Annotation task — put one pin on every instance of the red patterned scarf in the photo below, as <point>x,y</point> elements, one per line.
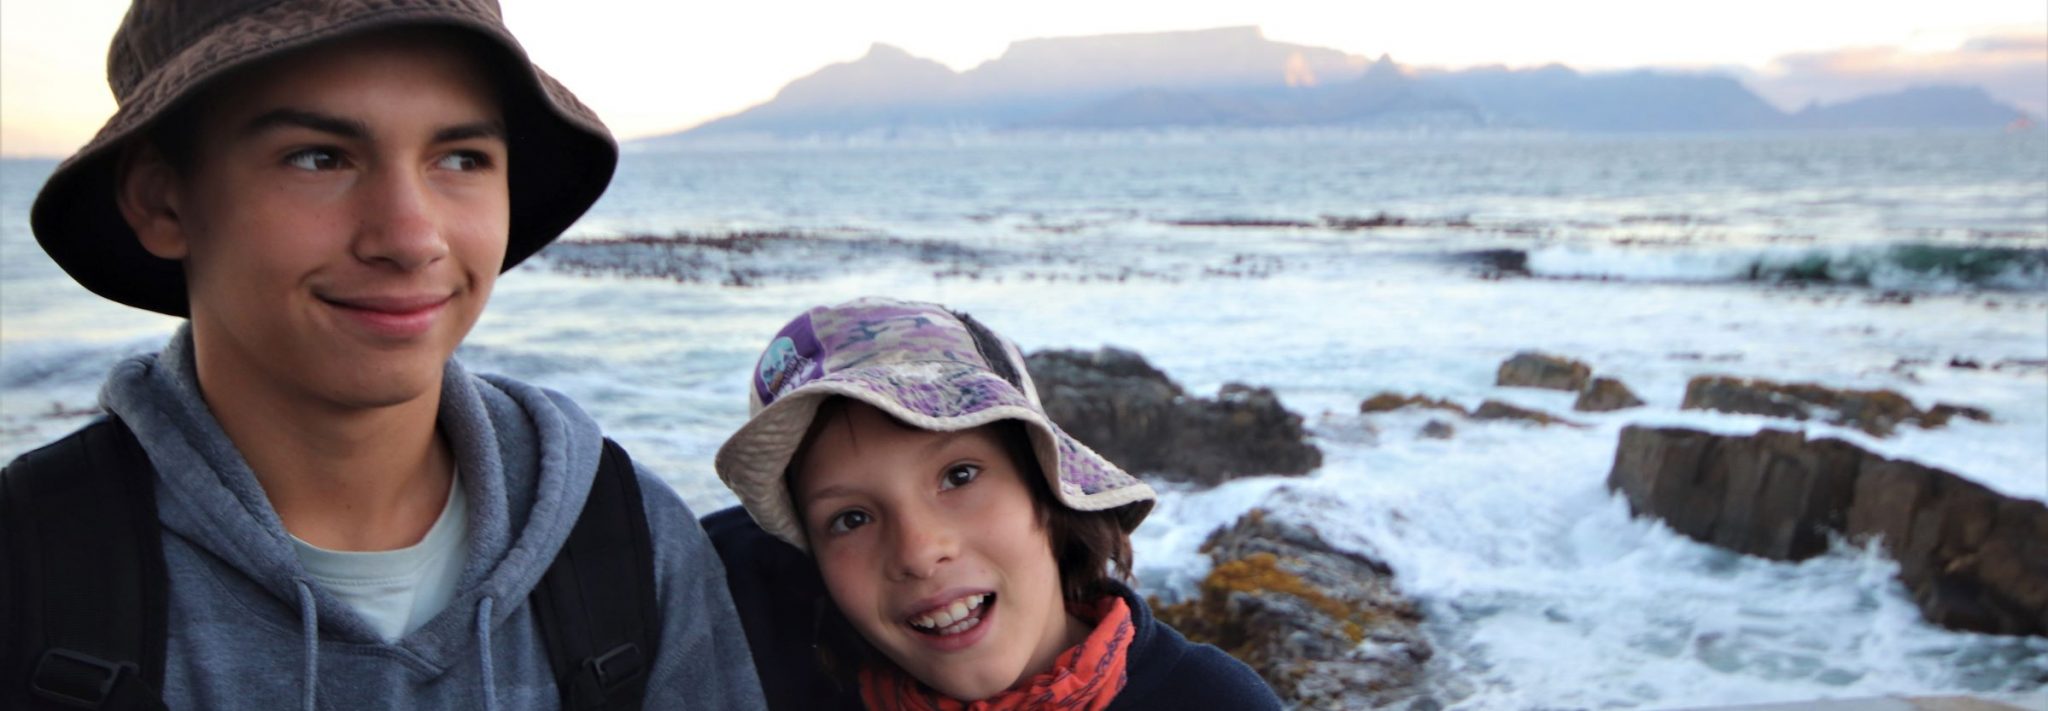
<point>1083,678</point>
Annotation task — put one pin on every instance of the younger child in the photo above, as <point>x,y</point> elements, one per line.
<point>975,552</point>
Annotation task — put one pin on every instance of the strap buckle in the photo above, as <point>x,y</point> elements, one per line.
<point>76,679</point>
<point>615,667</point>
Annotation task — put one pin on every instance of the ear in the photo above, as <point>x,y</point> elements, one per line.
<point>147,189</point>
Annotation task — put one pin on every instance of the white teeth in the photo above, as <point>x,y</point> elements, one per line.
<point>961,626</point>
<point>952,619</point>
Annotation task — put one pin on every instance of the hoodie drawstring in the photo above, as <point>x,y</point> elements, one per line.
<point>483,650</point>
<point>309,623</point>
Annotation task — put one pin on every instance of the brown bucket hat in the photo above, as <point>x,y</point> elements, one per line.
<point>562,155</point>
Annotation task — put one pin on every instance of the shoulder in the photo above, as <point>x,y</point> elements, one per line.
<point>104,445</point>
<point>679,542</point>
<point>780,599</point>
<point>769,578</point>
<point>1168,671</point>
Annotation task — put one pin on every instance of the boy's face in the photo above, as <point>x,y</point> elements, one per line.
<point>931,547</point>
<point>343,221</point>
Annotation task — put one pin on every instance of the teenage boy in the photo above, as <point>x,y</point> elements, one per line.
<point>346,518</point>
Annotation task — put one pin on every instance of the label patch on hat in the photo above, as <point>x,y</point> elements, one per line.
<point>792,359</point>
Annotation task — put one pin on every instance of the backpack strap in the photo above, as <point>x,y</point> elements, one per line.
<point>596,603</point>
<point>82,611</point>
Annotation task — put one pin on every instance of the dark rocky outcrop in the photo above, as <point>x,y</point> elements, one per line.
<point>1497,410</point>
<point>1877,412</point>
<point>1326,628</point>
<point>1530,369</point>
<point>1973,559</point>
<point>1125,409</point>
<point>1606,395</point>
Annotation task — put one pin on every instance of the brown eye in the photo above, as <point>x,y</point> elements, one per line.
<point>464,161</point>
<point>960,475</point>
<point>846,522</point>
<point>314,159</point>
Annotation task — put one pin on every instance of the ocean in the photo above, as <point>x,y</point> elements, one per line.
<point>1333,266</point>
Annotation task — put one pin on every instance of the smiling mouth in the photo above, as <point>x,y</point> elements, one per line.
<point>954,618</point>
<point>398,306</point>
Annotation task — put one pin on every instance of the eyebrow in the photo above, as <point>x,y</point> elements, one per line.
<point>353,129</point>
<point>837,491</point>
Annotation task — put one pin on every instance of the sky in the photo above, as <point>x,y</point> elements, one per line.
<point>654,66</point>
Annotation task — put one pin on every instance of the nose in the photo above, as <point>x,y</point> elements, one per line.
<point>396,221</point>
<point>923,543</point>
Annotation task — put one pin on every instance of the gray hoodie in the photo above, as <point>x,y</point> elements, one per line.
<point>250,629</point>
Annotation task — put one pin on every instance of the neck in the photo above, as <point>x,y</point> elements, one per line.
<point>341,478</point>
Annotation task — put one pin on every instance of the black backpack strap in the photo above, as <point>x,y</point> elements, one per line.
<point>82,608</point>
<point>596,602</point>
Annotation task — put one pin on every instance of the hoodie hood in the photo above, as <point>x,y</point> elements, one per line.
<point>528,456</point>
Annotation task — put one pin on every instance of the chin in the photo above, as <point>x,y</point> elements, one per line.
<point>969,681</point>
<point>386,388</point>
<point>968,691</point>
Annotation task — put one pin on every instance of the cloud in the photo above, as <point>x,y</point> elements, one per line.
<point>2013,67</point>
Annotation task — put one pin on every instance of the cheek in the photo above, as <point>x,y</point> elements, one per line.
<point>482,237</point>
<point>849,580</point>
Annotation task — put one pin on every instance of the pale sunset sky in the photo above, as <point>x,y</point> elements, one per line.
<point>654,66</point>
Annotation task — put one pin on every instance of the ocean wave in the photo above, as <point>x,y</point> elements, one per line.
<point>61,365</point>
<point>1896,267</point>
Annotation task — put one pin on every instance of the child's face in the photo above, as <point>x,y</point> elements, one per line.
<point>930,546</point>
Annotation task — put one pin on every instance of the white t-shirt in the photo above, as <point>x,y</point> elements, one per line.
<point>399,590</point>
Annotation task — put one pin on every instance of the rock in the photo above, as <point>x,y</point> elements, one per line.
<point>1941,413</point>
<point>1438,429</point>
<point>1877,412</point>
<point>1497,410</point>
<point>1326,628</point>
<point>1388,402</point>
<point>1711,392</point>
<point>1130,412</point>
<point>1530,369</point>
<point>1606,395</point>
<point>1973,559</point>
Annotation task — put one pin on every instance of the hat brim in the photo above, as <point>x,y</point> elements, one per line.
<point>754,460</point>
<point>561,155</point>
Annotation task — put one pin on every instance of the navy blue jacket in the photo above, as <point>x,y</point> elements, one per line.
<point>780,599</point>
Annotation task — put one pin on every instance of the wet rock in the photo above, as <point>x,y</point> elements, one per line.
<point>1942,413</point>
<point>1378,220</point>
<point>1438,429</point>
<point>1388,402</point>
<point>1499,263</point>
<point>1497,410</point>
<point>1119,405</point>
<point>1878,412</point>
<point>1606,395</point>
<point>1326,628</point>
<point>1530,369</point>
<point>1973,559</point>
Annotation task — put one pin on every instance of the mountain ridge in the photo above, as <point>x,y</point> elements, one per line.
<point>1236,77</point>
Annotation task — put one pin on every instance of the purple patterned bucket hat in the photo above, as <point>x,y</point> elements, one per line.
<point>926,366</point>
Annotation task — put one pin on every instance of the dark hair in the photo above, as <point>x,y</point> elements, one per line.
<point>1085,544</point>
